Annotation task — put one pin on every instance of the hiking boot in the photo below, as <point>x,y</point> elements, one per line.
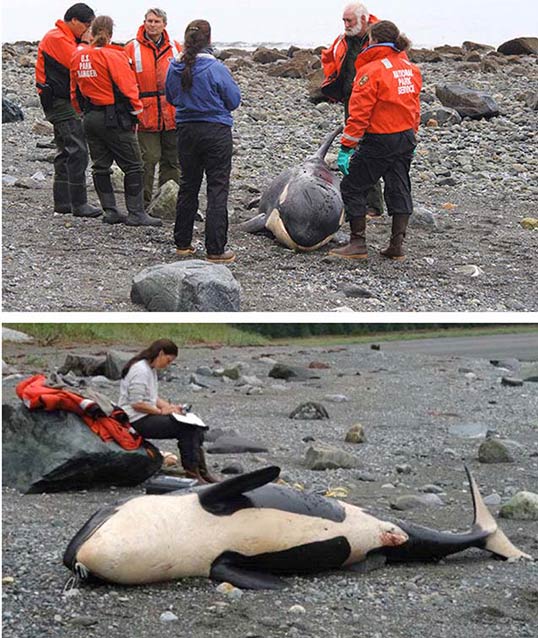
<point>356,248</point>
<point>395,248</point>
<point>185,252</point>
<point>227,257</point>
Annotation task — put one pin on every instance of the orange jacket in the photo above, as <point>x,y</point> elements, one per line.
<point>95,71</point>
<point>386,94</point>
<point>37,395</point>
<point>333,58</point>
<point>150,65</point>
<point>54,55</point>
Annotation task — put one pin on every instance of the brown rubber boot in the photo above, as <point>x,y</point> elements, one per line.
<point>395,248</point>
<point>356,249</point>
<point>194,473</point>
<point>204,472</point>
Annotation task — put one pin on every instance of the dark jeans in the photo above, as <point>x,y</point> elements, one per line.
<point>189,437</point>
<point>388,156</point>
<point>71,161</point>
<point>204,147</point>
<point>111,144</point>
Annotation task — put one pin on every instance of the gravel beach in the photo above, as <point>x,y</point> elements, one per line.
<point>411,406</point>
<point>474,182</point>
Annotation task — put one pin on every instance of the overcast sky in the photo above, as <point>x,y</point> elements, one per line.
<point>426,22</point>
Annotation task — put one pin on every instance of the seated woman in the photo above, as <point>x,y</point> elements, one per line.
<point>152,417</point>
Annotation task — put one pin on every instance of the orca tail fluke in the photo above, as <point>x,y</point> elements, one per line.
<point>427,544</point>
<point>496,540</point>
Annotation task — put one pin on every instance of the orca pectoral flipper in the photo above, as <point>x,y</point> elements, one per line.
<point>254,225</point>
<point>218,496</point>
<point>225,569</point>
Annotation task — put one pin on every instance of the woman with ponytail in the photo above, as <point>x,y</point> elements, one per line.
<point>204,93</point>
<point>103,85</point>
<point>152,417</point>
<point>379,138</point>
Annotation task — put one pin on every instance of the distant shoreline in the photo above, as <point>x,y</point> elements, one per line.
<point>252,46</point>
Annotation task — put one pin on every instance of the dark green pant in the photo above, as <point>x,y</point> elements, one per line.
<point>374,199</point>
<point>158,148</point>
<point>70,164</point>
<point>111,144</point>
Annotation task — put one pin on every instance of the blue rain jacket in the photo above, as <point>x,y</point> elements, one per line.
<point>212,97</point>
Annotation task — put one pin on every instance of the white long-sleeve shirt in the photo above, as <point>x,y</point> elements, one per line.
<point>139,384</point>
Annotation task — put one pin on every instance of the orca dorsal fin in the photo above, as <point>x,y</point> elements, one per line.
<point>220,493</point>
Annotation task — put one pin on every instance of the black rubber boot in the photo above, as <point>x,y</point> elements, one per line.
<point>60,193</point>
<point>105,191</point>
<point>356,249</point>
<point>395,248</point>
<point>79,202</point>
<point>134,200</point>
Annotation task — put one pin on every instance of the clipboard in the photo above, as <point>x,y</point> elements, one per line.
<point>190,418</point>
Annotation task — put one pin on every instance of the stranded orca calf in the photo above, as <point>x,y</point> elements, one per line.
<point>302,208</point>
<point>249,531</point>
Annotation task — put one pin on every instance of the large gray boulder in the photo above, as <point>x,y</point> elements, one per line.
<point>441,114</point>
<point>467,102</point>
<point>115,362</point>
<point>15,336</point>
<point>164,203</point>
<point>235,445</point>
<point>320,456</point>
<point>519,46</point>
<point>523,506</point>
<point>56,451</point>
<point>187,286</point>
<point>291,373</point>
<point>11,112</point>
<point>263,55</point>
<point>83,365</point>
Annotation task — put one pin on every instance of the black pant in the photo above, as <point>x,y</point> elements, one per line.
<point>71,161</point>
<point>380,155</point>
<point>111,144</point>
<point>189,437</point>
<point>204,147</point>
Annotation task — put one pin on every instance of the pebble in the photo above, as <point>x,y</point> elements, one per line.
<point>167,617</point>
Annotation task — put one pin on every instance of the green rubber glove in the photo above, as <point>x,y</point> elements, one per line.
<point>344,157</point>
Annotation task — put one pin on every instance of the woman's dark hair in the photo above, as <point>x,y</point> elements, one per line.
<point>151,353</point>
<point>197,37</point>
<point>102,28</point>
<point>386,31</point>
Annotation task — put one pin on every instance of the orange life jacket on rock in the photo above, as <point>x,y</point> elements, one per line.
<point>150,64</point>
<point>386,94</point>
<point>332,60</point>
<point>116,427</point>
<point>95,71</point>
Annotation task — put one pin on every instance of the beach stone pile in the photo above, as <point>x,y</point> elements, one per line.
<point>473,173</point>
